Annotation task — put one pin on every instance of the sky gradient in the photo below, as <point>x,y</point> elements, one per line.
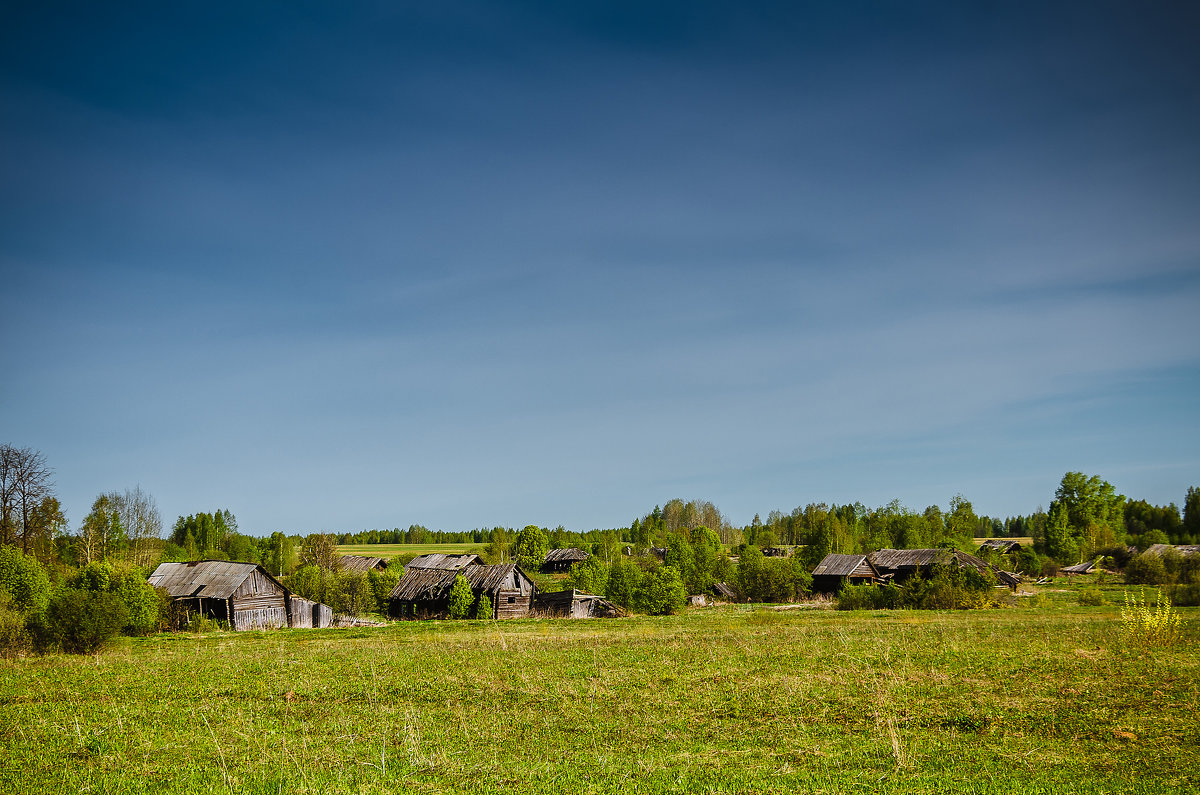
<point>343,266</point>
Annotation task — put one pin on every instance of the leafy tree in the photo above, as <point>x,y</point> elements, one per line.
<point>101,534</point>
<point>531,548</point>
<point>1060,544</point>
<point>462,599</point>
<point>590,576</point>
<point>661,592</point>
<point>320,550</point>
<point>483,609</point>
<point>497,549</point>
<point>382,583</point>
<point>961,523</point>
<point>1152,537</point>
<point>280,557</point>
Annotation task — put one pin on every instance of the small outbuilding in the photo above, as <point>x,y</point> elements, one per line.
<point>425,592</point>
<point>307,614</point>
<point>835,571</point>
<point>563,559</point>
<point>440,560</point>
<point>1087,567</point>
<point>574,604</point>
<point>724,592</point>
<point>776,552</point>
<point>243,594</point>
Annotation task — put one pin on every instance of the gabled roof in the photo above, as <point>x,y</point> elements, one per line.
<point>440,560</point>
<point>422,584</point>
<point>359,563</point>
<point>565,555</point>
<point>1000,545</point>
<point>210,579</point>
<point>834,565</point>
<point>1080,568</point>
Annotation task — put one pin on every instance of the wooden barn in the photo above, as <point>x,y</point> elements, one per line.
<point>425,592</point>
<point>835,571</point>
<point>243,594</point>
<point>904,563</point>
<point>574,604</point>
<point>360,564</point>
<point>563,559</point>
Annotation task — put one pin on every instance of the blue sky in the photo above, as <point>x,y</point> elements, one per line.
<point>341,266</point>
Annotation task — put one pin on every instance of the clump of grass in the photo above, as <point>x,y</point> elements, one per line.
<point>1142,625</point>
<point>1090,597</point>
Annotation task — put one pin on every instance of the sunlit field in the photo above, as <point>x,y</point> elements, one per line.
<point>1040,697</point>
<point>408,550</point>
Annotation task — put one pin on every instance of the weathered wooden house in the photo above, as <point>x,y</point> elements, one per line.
<point>1183,550</point>
<point>1087,567</point>
<point>1004,546</point>
<point>574,604</point>
<point>425,592</point>
<point>835,571</point>
<point>563,559</point>
<point>360,564</point>
<point>776,552</point>
<point>724,592</point>
<point>901,564</point>
<point>243,594</point>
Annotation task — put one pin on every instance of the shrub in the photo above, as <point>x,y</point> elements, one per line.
<point>14,637</point>
<point>661,592</point>
<point>24,580</point>
<point>1143,626</point>
<point>624,579</point>
<point>1146,570</point>
<point>81,622</point>
<point>461,598</point>
<point>483,609</point>
<point>1090,597</point>
<point>143,606</point>
<point>382,583</point>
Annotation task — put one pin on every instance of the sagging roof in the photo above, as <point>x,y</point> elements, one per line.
<point>835,565</point>
<point>360,563</point>
<point>1001,545</point>
<point>569,554</point>
<point>440,560</point>
<point>1183,549</point>
<point>896,561</point>
<point>1080,568</point>
<point>210,579</point>
<point>421,584</point>
<point>723,590</point>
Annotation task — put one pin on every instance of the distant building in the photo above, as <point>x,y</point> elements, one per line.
<point>1002,545</point>
<point>901,564</point>
<point>243,594</point>
<point>439,560</point>
<point>425,592</point>
<point>574,604</point>
<point>360,563</point>
<point>835,571</point>
<point>563,559</point>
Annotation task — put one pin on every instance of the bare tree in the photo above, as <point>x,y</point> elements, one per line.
<point>141,521</point>
<point>24,483</point>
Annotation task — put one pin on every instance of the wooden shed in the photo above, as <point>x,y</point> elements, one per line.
<point>243,594</point>
<point>904,563</point>
<point>724,592</point>
<point>360,563</point>
<point>776,552</point>
<point>563,559</point>
<point>304,613</point>
<point>425,592</point>
<point>835,571</point>
<point>574,604</point>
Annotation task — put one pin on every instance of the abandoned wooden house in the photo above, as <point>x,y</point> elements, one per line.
<point>1183,550</point>
<point>574,604</point>
<point>360,564</point>
<point>835,571</point>
<point>425,592</point>
<point>243,594</point>
<point>901,564</point>
<point>439,560</point>
<point>1004,546</point>
<point>1087,567</point>
<point>563,559</point>
<point>776,552</point>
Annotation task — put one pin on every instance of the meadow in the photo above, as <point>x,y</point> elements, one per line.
<point>408,550</point>
<point>1042,697</point>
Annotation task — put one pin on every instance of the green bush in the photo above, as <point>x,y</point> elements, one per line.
<point>24,580</point>
<point>15,639</point>
<point>382,583</point>
<point>661,592</point>
<point>483,609</point>
<point>81,622</point>
<point>1146,570</point>
<point>1090,597</point>
<point>461,598</point>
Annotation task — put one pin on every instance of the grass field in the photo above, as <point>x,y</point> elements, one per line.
<point>1036,698</point>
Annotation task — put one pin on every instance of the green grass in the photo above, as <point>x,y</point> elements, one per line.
<point>737,700</point>
<point>411,550</point>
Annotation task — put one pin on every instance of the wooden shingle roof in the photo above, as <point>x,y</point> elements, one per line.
<point>441,560</point>
<point>210,579</point>
<point>569,554</point>
<point>422,584</point>
<point>835,565</point>
<point>359,563</point>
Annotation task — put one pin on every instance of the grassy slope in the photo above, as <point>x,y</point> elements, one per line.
<point>411,550</point>
<point>724,700</point>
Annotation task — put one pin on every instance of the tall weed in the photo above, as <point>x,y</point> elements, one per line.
<point>1142,625</point>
